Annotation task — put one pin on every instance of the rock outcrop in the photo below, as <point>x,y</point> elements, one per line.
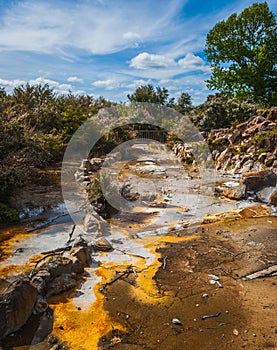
<point>248,146</point>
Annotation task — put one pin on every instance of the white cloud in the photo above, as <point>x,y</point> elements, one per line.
<point>161,67</point>
<point>108,84</point>
<point>61,88</point>
<point>131,36</point>
<point>192,63</point>
<point>146,60</point>
<point>11,84</point>
<point>136,83</point>
<point>75,80</point>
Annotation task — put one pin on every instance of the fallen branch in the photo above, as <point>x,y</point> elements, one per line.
<point>48,222</point>
<point>270,271</point>
<point>210,316</point>
<point>131,254</point>
<point>45,224</point>
<point>57,250</point>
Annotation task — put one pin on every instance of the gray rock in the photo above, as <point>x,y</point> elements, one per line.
<point>16,306</point>
<point>57,265</point>
<point>247,166</point>
<point>82,254</point>
<point>92,222</point>
<point>264,194</point>
<point>269,160</point>
<point>256,181</point>
<point>61,284</point>
<point>103,244</point>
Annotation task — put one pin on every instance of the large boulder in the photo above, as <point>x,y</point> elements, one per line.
<point>57,265</point>
<point>256,181</point>
<point>16,306</point>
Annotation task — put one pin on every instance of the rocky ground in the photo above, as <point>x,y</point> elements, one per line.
<point>194,269</point>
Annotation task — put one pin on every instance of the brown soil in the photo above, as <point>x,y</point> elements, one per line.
<point>244,311</point>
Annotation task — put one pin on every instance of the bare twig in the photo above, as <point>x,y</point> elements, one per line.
<point>131,254</point>
<point>126,272</point>
<point>164,262</point>
<point>71,234</point>
<point>210,316</point>
<point>39,261</point>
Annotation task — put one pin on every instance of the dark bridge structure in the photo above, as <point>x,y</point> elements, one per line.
<point>156,135</point>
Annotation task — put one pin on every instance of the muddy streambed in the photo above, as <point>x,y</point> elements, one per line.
<point>176,277</point>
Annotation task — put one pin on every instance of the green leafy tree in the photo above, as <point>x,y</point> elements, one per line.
<point>184,103</point>
<point>147,93</point>
<point>243,54</point>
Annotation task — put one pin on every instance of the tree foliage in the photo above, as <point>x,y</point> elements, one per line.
<point>147,93</point>
<point>243,54</point>
<point>184,103</point>
<point>35,127</point>
<point>220,111</point>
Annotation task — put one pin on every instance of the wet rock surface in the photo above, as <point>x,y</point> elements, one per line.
<point>24,296</point>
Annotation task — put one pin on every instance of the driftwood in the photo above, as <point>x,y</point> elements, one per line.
<point>270,271</point>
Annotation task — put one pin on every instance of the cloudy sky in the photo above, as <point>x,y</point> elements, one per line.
<point>110,47</point>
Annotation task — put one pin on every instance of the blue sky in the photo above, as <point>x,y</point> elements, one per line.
<point>110,47</point>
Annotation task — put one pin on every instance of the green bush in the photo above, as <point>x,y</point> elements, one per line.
<point>8,214</point>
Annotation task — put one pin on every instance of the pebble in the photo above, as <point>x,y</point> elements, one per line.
<point>214,277</point>
<point>52,339</point>
<point>235,332</point>
<point>177,322</point>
